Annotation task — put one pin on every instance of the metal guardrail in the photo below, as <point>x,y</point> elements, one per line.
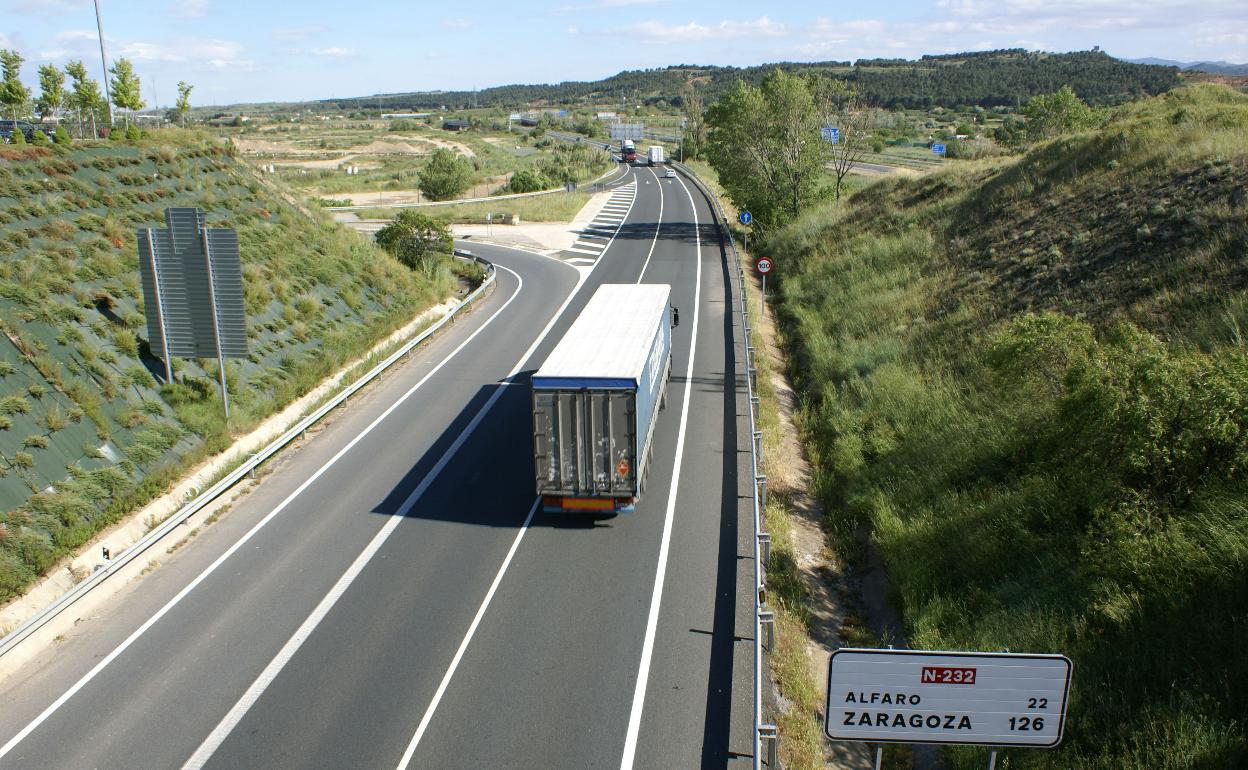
<point>48,613</point>
<point>762,540</point>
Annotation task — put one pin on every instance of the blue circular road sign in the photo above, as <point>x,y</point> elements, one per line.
<point>746,217</point>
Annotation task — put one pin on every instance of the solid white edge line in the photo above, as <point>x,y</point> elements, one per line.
<point>657,228</point>
<point>178,597</point>
<point>463,646</point>
<point>652,621</point>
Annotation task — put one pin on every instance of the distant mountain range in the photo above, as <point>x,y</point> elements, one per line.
<point>1212,67</point>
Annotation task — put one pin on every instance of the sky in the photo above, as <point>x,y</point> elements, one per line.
<point>234,52</point>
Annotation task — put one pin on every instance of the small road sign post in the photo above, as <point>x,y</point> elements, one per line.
<point>763,265</point>
<point>746,218</point>
<point>938,149</point>
<point>971,698</point>
<point>830,134</point>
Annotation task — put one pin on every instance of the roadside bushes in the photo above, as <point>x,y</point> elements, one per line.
<point>528,180</point>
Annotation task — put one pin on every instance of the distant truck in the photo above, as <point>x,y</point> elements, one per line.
<point>628,151</point>
<point>656,155</point>
<point>596,400</point>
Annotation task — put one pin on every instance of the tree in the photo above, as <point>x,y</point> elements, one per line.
<point>694,143</point>
<point>51,92</point>
<point>85,98</point>
<point>13,94</point>
<point>184,101</point>
<point>840,107</point>
<point>1057,113</point>
<point>445,176</point>
<point>415,239</point>
<point>764,144</point>
<point>126,91</point>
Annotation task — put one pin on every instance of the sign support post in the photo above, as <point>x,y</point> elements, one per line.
<point>160,311</point>
<point>879,757</point>
<point>992,760</point>
<point>216,327</point>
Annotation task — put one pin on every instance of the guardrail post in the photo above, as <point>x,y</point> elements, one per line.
<point>754,405</point>
<point>761,481</point>
<point>764,546</point>
<point>769,736</point>
<point>758,446</point>
<point>767,620</point>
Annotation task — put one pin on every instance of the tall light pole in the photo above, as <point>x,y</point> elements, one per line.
<point>108,95</point>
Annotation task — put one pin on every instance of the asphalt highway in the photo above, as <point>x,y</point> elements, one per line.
<point>388,596</point>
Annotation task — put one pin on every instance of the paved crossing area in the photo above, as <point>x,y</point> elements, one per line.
<point>593,238</point>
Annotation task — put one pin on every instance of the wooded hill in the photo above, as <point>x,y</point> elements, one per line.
<point>987,78</point>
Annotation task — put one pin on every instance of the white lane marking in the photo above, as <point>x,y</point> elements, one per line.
<point>463,646</point>
<point>595,251</point>
<point>657,227</point>
<point>581,261</point>
<point>585,234</point>
<point>652,622</point>
<point>132,638</point>
<point>446,679</point>
<point>236,714</point>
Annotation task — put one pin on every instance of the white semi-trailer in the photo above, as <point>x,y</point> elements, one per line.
<point>597,397</point>
<point>656,155</point>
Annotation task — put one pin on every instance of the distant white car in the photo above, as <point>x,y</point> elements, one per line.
<point>670,173</point>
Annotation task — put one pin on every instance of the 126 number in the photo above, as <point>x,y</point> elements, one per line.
<point>1026,724</point>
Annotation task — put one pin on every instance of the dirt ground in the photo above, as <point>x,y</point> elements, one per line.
<point>408,145</point>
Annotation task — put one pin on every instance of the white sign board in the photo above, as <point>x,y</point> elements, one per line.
<point>913,696</point>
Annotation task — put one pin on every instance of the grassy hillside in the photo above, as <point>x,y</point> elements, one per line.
<point>86,430</point>
<point>1028,380</point>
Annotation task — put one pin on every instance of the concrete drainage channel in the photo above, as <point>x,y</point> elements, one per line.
<point>766,738</point>
<point>120,563</point>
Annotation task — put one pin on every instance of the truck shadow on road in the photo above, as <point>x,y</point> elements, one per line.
<point>487,480</point>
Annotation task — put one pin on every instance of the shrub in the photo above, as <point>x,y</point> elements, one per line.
<point>35,441</point>
<point>528,180</point>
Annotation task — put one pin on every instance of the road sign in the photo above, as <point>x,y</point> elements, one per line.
<point>830,134</point>
<point>193,291</point>
<point>763,265</point>
<point>634,131</point>
<point>745,217</point>
<point>938,149</point>
<point>913,696</point>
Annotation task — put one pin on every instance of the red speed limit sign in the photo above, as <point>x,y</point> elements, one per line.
<point>763,265</point>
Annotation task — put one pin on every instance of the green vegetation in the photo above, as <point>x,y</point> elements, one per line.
<point>985,78</point>
<point>87,432</point>
<point>756,144</point>
<point>1028,379</point>
<point>416,240</point>
<point>445,176</point>
<point>13,94</point>
<point>125,88</point>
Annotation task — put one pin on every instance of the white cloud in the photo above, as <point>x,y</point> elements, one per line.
<point>600,5</point>
<point>456,23</point>
<point>334,52</point>
<point>693,32</point>
<point>50,7</point>
<point>188,9</point>
<point>302,32</point>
